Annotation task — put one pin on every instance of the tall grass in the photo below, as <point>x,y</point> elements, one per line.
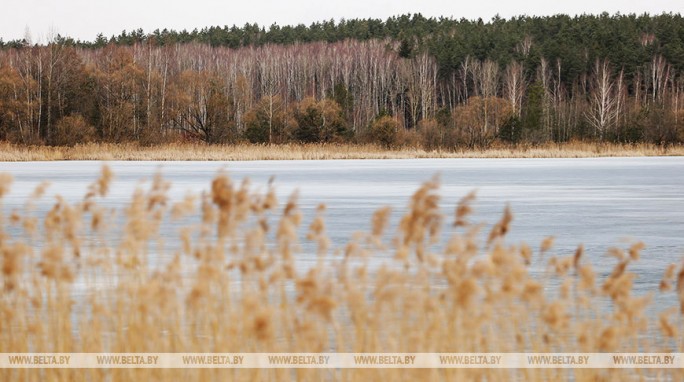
<point>233,286</point>
<point>244,151</point>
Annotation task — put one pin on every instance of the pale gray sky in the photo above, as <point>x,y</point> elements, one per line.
<point>84,19</point>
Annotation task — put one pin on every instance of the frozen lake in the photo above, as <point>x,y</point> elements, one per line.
<point>599,202</point>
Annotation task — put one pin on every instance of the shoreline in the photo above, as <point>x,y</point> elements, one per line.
<point>251,152</point>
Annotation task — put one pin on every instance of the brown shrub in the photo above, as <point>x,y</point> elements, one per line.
<point>72,130</point>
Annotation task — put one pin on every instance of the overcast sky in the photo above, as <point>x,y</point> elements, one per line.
<point>84,19</point>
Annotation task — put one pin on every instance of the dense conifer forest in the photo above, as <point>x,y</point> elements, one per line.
<point>442,82</point>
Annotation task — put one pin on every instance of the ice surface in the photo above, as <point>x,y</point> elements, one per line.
<point>595,201</point>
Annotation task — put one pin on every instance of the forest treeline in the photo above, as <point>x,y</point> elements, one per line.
<point>407,80</point>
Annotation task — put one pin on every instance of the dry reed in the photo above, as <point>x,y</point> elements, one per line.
<point>233,286</point>
<point>245,152</point>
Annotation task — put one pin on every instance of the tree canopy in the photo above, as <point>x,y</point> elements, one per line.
<point>604,77</point>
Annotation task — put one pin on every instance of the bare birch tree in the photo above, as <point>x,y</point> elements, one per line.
<point>515,85</point>
<point>604,102</point>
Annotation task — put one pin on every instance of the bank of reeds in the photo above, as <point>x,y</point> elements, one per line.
<point>246,152</point>
<point>233,286</point>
